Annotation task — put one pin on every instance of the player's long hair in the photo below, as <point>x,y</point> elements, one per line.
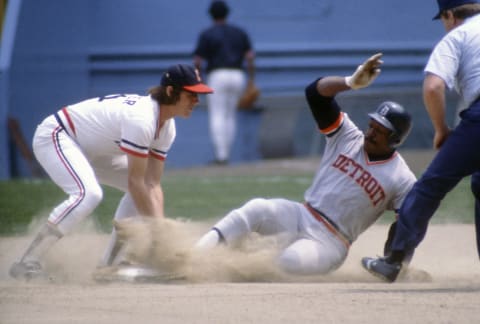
<point>464,11</point>
<point>160,95</point>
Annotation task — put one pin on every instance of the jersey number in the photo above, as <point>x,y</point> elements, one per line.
<point>130,102</point>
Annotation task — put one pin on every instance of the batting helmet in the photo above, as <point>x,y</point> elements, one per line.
<point>394,117</point>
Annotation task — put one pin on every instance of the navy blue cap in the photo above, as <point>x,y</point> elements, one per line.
<point>186,77</point>
<point>450,4</point>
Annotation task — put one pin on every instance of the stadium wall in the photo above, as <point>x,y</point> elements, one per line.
<point>63,51</point>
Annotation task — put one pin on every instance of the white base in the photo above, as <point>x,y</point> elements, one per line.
<point>136,274</point>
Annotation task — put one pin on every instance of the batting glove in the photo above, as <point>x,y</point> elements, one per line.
<point>365,73</point>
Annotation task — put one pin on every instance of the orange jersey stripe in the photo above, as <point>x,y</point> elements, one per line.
<point>333,126</point>
<point>156,156</point>
<point>142,155</point>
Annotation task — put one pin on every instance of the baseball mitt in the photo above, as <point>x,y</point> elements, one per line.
<point>249,96</point>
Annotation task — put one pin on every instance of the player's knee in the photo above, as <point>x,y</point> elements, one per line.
<point>256,206</point>
<point>305,257</point>
<point>256,203</point>
<point>255,211</point>
<point>295,263</point>
<point>290,262</point>
<point>85,203</point>
<point>233,227</point>
<point>93,196</point>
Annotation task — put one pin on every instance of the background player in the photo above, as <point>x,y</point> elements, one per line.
<point>454,62</point>
<point>359,177</point>
<point>224,48</point>
<point>117,140</point>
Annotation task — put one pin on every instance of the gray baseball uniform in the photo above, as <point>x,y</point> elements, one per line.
<point>349,193</point>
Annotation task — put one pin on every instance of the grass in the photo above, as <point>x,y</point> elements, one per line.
<point>191,197</point>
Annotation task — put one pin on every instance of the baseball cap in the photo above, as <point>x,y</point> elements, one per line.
<point>186,77</point>
<point>450,4</point>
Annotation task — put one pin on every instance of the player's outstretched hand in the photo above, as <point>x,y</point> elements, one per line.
<point>366,73</point>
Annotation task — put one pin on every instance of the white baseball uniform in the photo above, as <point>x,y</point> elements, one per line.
<point>84,145</point>
<point>229,85</point>
<point>348,194</point>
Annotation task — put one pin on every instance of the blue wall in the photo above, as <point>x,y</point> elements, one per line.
<point>66,50</point>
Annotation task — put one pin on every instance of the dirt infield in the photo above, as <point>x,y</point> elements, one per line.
<point>348,296</point>
<point>242,293</point>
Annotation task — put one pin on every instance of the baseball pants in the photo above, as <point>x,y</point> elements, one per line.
<point>309,247</point>
<point>79,177</point>
<point>458,157</point>
<point>229,85</point>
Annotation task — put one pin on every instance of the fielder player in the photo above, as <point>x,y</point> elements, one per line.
<point>359,177</point>
<point>454,63</point>
<point>224,48</point>
<point>118,140</point>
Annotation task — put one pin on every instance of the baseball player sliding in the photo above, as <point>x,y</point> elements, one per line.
<point>118,140</point>
<point>359,177</point>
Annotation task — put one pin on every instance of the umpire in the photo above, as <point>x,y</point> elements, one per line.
<point>454,63</point>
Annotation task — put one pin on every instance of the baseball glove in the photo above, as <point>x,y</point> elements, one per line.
<point>249,96</point>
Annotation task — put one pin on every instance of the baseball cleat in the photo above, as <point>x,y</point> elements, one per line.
<point>26,270</point>
<point>379,267</point>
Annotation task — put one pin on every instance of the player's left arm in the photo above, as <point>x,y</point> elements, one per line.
<point>145,193</point>
<point>321,93</point>
<point>250,60</point>
<point>153,177</point>
<point>363,76</point>
<point>325,109</point>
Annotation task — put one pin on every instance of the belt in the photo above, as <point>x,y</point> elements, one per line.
<point>66,117</point>
<point>329,224</point>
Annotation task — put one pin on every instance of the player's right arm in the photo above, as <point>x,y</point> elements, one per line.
<point>153,177</point>
<point>320,94</point>
<point>142,195</point>
<point>200,53</point>
<point>434,100</point>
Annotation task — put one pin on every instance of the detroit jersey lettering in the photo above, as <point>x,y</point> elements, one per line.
<point>352,190</point>
<point>362,177</point>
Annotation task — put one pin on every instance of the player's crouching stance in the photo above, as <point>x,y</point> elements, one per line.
<point>359,177</point>
<point>119,140</point>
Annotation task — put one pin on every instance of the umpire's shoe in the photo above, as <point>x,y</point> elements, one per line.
<point>26,270</point>
<point>381,268</point>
